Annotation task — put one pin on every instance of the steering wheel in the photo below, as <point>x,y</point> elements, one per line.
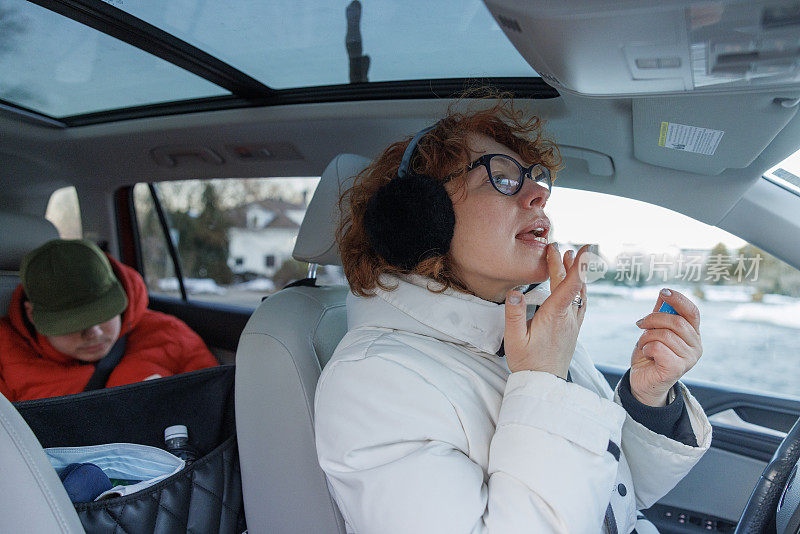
<point>763,503</point>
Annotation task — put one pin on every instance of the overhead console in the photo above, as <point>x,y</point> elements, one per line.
<point>711,83</point>
<point>635,47</point>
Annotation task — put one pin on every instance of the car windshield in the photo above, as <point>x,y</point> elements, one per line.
<point>58,67</point>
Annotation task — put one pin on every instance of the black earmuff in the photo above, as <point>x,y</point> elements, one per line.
<point>411,218</point>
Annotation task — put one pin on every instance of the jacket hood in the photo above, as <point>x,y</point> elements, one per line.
<point>134,287</point>
<point>450,316</point>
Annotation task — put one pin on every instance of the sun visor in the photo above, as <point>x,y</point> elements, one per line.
<point>625,48</point>
<point>702,135</point>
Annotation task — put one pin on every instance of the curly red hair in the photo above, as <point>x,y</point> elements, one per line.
<point>443,154</point>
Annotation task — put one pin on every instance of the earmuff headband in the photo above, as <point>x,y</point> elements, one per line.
<point>402,170</point>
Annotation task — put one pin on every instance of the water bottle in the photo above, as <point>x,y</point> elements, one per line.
<point>176,438</point>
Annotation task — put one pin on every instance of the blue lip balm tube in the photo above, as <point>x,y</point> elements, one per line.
<point>666,308</point>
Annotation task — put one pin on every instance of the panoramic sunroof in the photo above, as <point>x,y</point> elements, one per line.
<point>288,44</point>
<point>58,67</point>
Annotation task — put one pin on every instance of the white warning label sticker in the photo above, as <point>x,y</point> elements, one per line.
<point>689,138</point>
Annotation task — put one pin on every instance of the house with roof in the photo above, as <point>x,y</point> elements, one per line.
<point>262,235</point>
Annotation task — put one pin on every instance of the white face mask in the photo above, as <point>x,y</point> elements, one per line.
<point>125,461</point>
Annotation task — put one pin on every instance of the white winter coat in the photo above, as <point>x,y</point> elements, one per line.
<point>420,427</point>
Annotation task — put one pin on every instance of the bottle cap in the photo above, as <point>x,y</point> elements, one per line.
<point>176,431</point>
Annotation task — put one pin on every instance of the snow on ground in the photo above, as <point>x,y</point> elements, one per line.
<point>194,286</point>
<point>769,298</point>
<point>257,284</point>
<point>729,293</point>
<point>712,293</point>
<point>778,310</point>
<point>787,314</point>
<point>633,293</point>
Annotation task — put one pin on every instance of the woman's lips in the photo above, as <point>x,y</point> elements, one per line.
<point>531,240</point>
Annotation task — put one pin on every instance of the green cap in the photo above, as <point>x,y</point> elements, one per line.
<point>71,285</point>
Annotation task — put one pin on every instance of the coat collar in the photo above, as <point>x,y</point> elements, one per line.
<point>452,316</point>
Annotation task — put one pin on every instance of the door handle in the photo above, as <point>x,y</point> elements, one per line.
<point>729,418</point>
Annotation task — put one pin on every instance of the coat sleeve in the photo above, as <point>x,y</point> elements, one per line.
<point>5,390</point>
<point>657,462</point>
<point>644,449</point>
<point>398,460</point>
<point>5,339</point>
<point>191,351</point>
<point>671,420</point>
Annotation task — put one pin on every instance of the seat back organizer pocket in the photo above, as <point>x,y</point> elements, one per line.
<point>109,448</point>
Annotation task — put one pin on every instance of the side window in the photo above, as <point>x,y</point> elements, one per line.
<point>63,210</point>
<point>749,301</point>
<point>159,269</point>
<point>234,237</point>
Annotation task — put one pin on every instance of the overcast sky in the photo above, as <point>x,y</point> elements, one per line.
<point>621,224</point>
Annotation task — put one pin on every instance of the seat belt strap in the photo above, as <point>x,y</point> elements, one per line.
<point>103,368</point>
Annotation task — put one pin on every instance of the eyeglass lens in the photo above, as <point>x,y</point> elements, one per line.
<point>507,175</point>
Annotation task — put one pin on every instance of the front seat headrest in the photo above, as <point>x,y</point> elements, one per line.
<point>316,241</point>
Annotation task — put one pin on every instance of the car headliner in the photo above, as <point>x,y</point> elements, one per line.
<point>101,153</point>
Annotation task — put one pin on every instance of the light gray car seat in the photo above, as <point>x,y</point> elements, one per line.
<point>21,234</point>
<point>33,498</point>
<point>34,501</point>
<point>283,348</point>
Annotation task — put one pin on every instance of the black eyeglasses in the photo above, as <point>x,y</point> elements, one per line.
<point>507,175</point>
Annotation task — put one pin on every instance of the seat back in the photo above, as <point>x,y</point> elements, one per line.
<point>34,500</point>
<point>21,234</point>
<point>282,350</point>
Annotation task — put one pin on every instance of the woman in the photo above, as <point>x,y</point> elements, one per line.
<point>443,409</point>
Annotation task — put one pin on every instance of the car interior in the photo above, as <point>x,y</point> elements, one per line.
<point>615,82</point>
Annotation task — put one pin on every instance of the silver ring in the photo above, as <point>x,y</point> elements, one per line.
<point>578,301</point>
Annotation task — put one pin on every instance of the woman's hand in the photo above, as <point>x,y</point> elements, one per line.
<point>668,348</point>
<point>547,342</point>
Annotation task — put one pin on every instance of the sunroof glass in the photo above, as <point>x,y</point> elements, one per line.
<point>287,44</point>
<point>59,67</point>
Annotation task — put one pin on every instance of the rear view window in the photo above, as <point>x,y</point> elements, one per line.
<point>64,212</point>
<point>234,238</point>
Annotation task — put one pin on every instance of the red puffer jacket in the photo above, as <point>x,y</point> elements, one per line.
<point>157,345</point>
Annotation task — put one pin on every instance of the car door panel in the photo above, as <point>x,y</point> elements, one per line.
<point>719,485</point>
<point>747,429</point>
<point>218,324</point>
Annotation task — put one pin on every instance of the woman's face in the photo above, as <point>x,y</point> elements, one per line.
<point>493,245</point>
